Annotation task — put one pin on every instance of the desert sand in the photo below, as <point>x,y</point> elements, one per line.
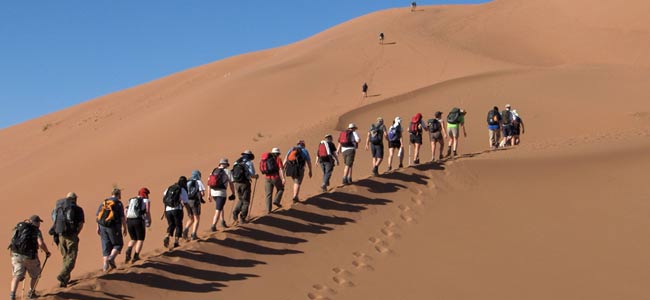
<point>561,216</point>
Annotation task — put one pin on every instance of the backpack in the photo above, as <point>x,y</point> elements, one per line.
<point>434,125</point>
<point>106,216</point>
<point>346,138</point>
<point>506,116</point>
<point>214,181</point>
<point>25,240</point>
<point>393,134</point>
<point>172,197</point>
<point>295,156</point>
<point>65,217</point>
<point>136,208</point>
<point>193,192</point>
<point>376,135</point>
<point>322,150</point>
<point>492,118</point>
<point>454,116</point>
<point>269,164</point>
<point>239,171</point>
<point>414,128</point>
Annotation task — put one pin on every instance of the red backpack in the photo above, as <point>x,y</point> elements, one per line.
<point>415,122</point>
<point>322,150</point>
<point>346,139</point>
<point>269,164</point>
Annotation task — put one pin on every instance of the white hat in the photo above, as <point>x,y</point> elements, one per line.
<point>275,150</point>
<point>507,105</point>
<point>352,126</point>
<point>398,120</point>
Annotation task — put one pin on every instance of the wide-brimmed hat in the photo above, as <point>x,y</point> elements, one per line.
<point>247,152</point>
<point>507,105</point>
<point>71,195</point>
<point>275,150</point>
<point>35,218</point>
<point>352,126</point>
<point>327,136</point>
<point>224,161</point>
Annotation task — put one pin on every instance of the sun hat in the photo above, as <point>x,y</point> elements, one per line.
<point>275,150</point>
<point>507,105</point>
<point>35,218</point>
<point>247,152</point>
<point>327,136</point>
<point>224,161</point>
<point>196,174</point>
<point>71,195</point>
<point>352,126</point>
<point>398,120</point>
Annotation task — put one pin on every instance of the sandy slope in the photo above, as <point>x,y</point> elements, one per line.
<point>578,75</point>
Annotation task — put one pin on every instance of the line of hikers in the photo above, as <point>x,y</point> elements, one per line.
<point>115,220</point>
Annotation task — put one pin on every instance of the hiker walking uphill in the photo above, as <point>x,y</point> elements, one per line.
<point>326,157</point>
<point>517,127</point>
<point>375,140</point>
<point>138,218</point>
<point>494,124</point>
<point>455,119</point>
<point>381,38</point>
<point>68,220</point>
<point>242,173</point>
<point>220,179</point>
<point>348,143</point>
<point>195,193</point>
<point>415,136</point>
<point>25,242</point>
<point>506,124</point>
<point>174,198</point>
<point>294,163</point>
<point>437,135</point>
<point>111,226</point>
<point>272,168</point>
<point>395,143</point>
<point>413,6</point>
<point>364,90</point>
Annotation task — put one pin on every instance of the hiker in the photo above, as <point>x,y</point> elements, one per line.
<point>517,127</point>
<point>138,218</point>
<point>25,242</point>
<point>395,142</point>
<point>455,119</point>
<point>348,143</point>
<point>242,173</point>
<point>272,168</point>
<point>364,90</point>
<point>413,6</point>
<point>220,179</point>
<point>326,158</point>
<point>506,125</point>
<point>68,220</point>
<point>111,226</point>
<point>436,135</point>
<point>375,140</point>
<point>494,124</point>
<point>195,193</point>
<point>294,163</point>
<point>174,198</point>
<point>381,38</point>
<point>415,136</point>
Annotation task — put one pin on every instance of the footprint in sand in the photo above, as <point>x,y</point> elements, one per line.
<point>314,296</point>
<point>389,233</point>
<point>361,256</point>
<point>342,281</point>
<point>417,200</point>
<point>404,208</point>
<point>362,265</point>
<point>407,218</point>
<point>324,289</point>
<point>380,245</point>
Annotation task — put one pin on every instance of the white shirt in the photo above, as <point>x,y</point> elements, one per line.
<point>228,180</point>
<point>200,184</point>
<point>356,141</point>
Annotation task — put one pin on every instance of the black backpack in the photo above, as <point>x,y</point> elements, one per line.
<point>239,171</point>
<point>65,216</point>
<point>173,196</point>
<point>506,116</point>
<point>434,125</point>
<point>492,117</point>
<point>193,192</point>
<point>25,240</point>
<point>376,134</point>
<point>454,116</point>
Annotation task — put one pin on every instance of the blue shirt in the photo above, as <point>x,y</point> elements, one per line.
<point>304,153</point>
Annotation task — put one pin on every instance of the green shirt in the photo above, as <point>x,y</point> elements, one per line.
<point>461,119</point>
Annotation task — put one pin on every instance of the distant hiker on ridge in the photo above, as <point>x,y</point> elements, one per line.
<point>294,163</point>
<point>138,218</point>
<point>494,127</point>
<point>364,90</point>
<point>326,158</point>
<point>242,173</point>
<point>506,124</point>
<point>111,226</point>
<point>375,140</point>
<point>68,221</point>
<point>174,198</point>
<point>220,179</point>
<point>381,38</point>
<point>395,142</point>
<point>348,143</point>
<point>272,168</point>
<point>25,242</point>
<point>517,127</point>
<point>195,193</point>
<point>413,6</point>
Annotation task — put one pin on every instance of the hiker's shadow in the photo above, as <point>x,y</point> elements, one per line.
<point>414,178</point>
<point>314,217</point>
<point>430,166</point>
<point>203,274</point>
<point>372,96</point>
<point>273,220</point>
<point>251,247</point>
<point>169,283</point>
<point>379,187</point>
<point>214,259</point>
<point>79,296</point>
<point>260,235</point>
<point>389,43</point>
<point>325,203</point>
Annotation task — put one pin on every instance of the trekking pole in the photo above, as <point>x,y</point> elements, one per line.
<point>250,205</point>
<point>38,277</point>
<point>409,161</point>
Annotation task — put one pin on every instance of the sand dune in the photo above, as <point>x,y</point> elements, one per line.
<point>577,72</point>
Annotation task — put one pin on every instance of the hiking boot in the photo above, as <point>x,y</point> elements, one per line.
<point>243,220</point>
<point>62,283</point>
<point>401,165</point>
<point>416,161</point>
<point>12,295</point>
<point>455,154</point>
<point>32,294</point>
<point>295,199</point>
<point>105,267</point>
<point>127,255</point>
<point>175,245</point>
<point>166,242</point>
<point>323,189</point>
<point>111,262</point>
<point>136,257</point>
<point>223,224</point>
<point>448,152</point>
<point>440,157</point>
<point>277,204</point>
<point>194,237</point>
<point>186,233</point>
<point>213,228</point>
<point>375,170</point>
<point>389,169</point>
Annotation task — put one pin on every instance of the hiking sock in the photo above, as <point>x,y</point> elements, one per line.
<point>213,227</point>
<point>127,255</point>
<point>166,242</point>
<point>136,257</point>
<point>12,295</point>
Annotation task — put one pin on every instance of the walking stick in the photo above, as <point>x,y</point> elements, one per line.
<point>250,205</point>
<point>409,162</point>
<point>39,276</point>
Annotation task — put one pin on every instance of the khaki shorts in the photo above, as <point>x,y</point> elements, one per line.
<point>452,132</point>
<point>22,264</point>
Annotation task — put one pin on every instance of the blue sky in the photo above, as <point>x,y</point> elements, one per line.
<point>55,54</point>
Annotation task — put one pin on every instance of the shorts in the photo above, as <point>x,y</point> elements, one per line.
<point>297,178</point>
<point>136,228</point>
<point>415,139</point>
<point>348,157</point>
<point>377,150</point>
<point>395,144</point>
<point>23,264</point>
<point>111,239</point>
<point>193,208</point>
<point>452,132</point>
<point>435,136</point>
<point>516,130</point>
<point>219,202</point>
<point>507,130</point>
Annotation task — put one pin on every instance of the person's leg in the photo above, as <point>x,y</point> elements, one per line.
<point>391,150</point>
<point>170,223</point>
<point>279,187</point>
<point>18,272</point>
<point>328,168</point>
<point>178,221</point>
<point>240,188</point>
<point>352,156</point>
<point>400,155</point>
<point>246,197</point>
<point>268,190</point>
<point>34,270</point>
<point>416,153</point>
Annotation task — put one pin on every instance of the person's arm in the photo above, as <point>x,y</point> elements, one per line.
<point>281,171</point>
<point>308,158</point>
<point>251,169</point>
<point>338,148</point>
<point>124,232</point>
<point>367,140</point>
<point>43,246</point>
<point>521,122</point>
<point>147,207</point>
<point>463,125</point>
